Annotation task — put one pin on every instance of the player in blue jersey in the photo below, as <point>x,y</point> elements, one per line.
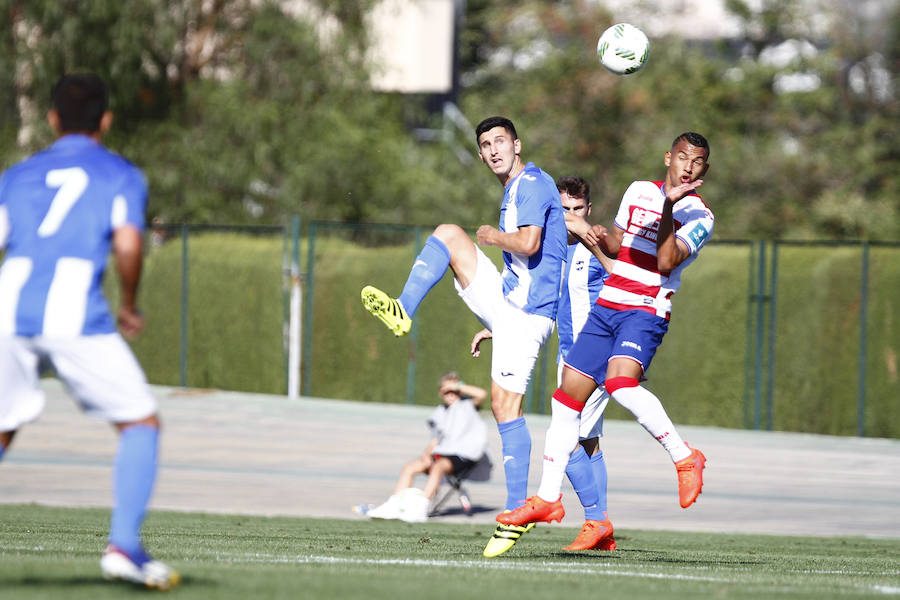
<point>584,273</point>
<point>586,270</point>
<point>518,304</point>
<point>61,212</point>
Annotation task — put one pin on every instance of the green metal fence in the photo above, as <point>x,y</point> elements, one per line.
<point>798,318</point>
<point>765,335</point>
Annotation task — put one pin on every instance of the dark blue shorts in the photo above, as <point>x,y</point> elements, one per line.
<point>609,333</point>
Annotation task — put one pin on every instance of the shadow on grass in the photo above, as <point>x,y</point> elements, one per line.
<point>74,582</point>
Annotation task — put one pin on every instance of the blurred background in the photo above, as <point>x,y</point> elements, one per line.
<point>244,111</point>
<point>333,134</point>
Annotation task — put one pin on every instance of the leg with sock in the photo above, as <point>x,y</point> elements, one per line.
<point>598,465</point>
<point>560,442</point>
<point>581,474</point>
<point>649,412</point>
<point>516,442</point>
<point>428,268</point>
<point>133,479</point>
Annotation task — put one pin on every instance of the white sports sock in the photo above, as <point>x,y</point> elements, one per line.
<point>560,442</point>
<point>649,412</point>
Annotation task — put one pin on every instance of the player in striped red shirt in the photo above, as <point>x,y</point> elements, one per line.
<point>659,229</point>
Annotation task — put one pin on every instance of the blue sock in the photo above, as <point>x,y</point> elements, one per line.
<point>599,466</point>
<point>581,474</point>
<point>133,476</point>
<point>429,268</point>
<point>516,441</point>
<point>2,450</point>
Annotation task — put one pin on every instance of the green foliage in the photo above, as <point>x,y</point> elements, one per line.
<point>234,313</point>
<point>242,112</point>
<point>704,371</point>
<point>46,549</point>
<point>783,164</point>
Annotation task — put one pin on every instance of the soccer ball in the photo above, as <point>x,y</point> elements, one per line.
<point>623,49</point>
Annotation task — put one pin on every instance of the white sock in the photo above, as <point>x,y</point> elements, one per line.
<point>560,442</point>
<point>649,412</point>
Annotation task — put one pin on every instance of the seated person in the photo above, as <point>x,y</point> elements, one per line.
<point>459,439</point>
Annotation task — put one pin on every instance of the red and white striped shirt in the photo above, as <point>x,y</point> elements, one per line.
<point>636,281</point>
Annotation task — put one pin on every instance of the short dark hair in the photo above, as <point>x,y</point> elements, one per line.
<point>80,99</point>
<point>575,187</point>
<point>694,139</point>
<point>492,122</point>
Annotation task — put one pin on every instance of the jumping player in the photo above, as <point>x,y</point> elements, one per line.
<point>585,270</point>
<point>61,210</point>
<point>518,305</point>
<point>659,229</point>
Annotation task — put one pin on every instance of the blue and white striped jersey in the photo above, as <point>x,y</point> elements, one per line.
<point>582,280</point>
<point>58,211</point>
<point>532,282</point>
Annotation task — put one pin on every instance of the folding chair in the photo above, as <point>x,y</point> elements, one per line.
<point>478,471</point>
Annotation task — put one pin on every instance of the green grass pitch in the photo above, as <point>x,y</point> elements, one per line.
<point>54,553</point>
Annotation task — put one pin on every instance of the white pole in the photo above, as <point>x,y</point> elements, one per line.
<point>294,334</point>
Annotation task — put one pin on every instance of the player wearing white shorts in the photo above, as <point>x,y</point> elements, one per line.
<point>61,211</point>
<point>584,276</point>
<point>660,228</point>
<point>518,304</point>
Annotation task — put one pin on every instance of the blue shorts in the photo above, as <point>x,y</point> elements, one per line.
<point>610,333</point>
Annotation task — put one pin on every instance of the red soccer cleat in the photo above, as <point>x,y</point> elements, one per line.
<point>535,510</point>
<point>594,535</point>
<point>690,477</point>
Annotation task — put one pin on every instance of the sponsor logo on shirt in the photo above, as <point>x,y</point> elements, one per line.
<point>698,234</point>
<point>644,223</point>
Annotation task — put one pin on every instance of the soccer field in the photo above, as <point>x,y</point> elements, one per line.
<point>54,553</point>
<point>254,494</point>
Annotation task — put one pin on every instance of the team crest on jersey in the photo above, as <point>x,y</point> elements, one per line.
<point>579,265</point>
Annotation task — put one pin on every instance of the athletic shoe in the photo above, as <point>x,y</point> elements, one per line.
<point>535,510</point>
<point>690,477</point>
<point>389,510</point>
<point>594,535</point>
<point>504,538</point>
<point>414,506</point>
<point>140,569</point>
<point>387,309</point>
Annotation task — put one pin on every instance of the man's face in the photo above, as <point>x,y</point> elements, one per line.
<point>574,205</point>
<point>686,163</point>
<point>498,150</point>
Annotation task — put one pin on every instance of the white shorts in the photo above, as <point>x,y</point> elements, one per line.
<point>100,371</point>
<point>517,335</point>
<point>592,414</point>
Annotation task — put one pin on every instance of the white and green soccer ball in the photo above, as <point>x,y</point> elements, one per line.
<point>623,49</point>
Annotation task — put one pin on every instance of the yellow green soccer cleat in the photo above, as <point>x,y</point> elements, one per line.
<point>504,538</point>
<point>387,309</point>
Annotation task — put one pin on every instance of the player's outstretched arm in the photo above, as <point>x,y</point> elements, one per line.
<point>128,252</point>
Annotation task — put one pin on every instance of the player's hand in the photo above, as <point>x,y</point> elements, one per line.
<point>484,334</point>
<point>679,191</point>
<point>131,322</point>
<point>484,235</point>
<point>595,235</point>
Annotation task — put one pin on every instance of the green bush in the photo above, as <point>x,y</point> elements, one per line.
<point>704,372</point>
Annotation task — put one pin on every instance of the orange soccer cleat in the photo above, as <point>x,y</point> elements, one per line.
<point>594,535</point>
<point>690,477</point>
<point>535,510</point>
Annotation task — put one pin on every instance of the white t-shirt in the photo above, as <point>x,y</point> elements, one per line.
<point>459,429</point>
